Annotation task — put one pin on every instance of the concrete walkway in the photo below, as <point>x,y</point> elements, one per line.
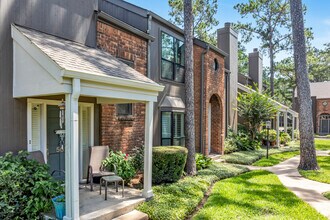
<point>308,190</point>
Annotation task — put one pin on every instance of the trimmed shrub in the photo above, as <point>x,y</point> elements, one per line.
<point>168,163</point>
<point>123,164</point>
<point>230,142</point>
<point>202,161</point>
<point>284,138</point>
<point>138,158</point>
<point>26,187</point>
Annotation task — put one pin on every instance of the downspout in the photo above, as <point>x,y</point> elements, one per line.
<point>149,16</point>
<point>202,99</point>
<point>227,84</point>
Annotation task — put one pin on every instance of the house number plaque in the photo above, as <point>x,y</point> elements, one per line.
<point>61,134</point>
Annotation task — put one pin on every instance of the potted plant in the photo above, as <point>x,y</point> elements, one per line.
<point>272,136</point>
<point>59,204</point>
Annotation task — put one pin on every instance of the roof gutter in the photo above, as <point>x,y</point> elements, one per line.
<point>110,19</point>
<point>149,45</point>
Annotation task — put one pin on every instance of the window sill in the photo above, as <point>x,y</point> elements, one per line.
<point>126,118</point>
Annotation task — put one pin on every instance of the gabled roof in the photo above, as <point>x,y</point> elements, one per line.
<point>321,90</point>
<point>78,58</point>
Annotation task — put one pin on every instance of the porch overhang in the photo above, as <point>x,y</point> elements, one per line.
<point>45,65</point>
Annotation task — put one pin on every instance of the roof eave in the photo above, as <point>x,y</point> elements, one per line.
<point>113,80</point>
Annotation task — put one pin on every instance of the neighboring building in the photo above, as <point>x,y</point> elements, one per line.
<point>320,96</point>
<point>166,67</point>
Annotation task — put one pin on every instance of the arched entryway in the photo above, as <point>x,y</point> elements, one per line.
<point>324,124</point>
<point>214,125</point>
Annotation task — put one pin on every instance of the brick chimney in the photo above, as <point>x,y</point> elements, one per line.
<point>255,68</point>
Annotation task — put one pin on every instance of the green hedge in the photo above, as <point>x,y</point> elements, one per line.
<point>168,163</point>
<point>26,187</point>
<point>174,201</point>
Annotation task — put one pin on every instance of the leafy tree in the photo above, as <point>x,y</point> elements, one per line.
<point>285,81</point>
<point>243,60</point>
<point>318,61</point>
<point>255,108</point>
<point>189,87</point>
<point>307,148</point>
<point>271,25</point>
<point>204,17</point>
<point>318,65</point>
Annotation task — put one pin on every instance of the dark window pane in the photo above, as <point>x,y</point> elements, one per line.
<point>124,109</point>
<point>166,142</point>
<point>167,70</point>
<point>166,125</point>
<point>179,52</point>
<point>178,125</point>
<point>167,47</point>
<point>179,74</point>
<point>178,141</point>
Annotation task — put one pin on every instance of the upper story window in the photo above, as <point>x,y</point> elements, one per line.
<point>172,67</point>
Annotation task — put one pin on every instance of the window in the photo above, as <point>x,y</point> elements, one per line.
<point>172,66</point>
<point>172,128</point>
<point>215,65</point>
<point>124,109</point>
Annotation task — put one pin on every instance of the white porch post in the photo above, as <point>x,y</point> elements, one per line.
<point>72,152</point>
<point>278,129</point>
<point>286,121</point>
<point>293,121</point>
<point>147,179</point>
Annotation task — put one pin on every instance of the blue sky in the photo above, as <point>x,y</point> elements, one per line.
<point>317,17</point>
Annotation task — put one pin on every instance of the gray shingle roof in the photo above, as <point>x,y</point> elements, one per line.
<point>319,89</point>
<point>78,57</point>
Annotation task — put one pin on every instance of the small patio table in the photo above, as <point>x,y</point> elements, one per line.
<point>111,179</point>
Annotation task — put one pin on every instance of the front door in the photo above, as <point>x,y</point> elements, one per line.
<point>55,155</point>
<point>324,124</point>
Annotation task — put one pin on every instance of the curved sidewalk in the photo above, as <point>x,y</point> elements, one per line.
<point>308,190</point>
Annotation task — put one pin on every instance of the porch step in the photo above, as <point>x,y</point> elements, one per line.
<point>135,214</point>
<point>114,211</point>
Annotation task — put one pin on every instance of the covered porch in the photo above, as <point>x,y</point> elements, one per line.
<point>46,67</point>
<point>284,111</point>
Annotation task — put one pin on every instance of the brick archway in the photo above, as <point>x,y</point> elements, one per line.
<point>215,124</point>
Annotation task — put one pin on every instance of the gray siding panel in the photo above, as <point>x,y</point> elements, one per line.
<point>120,12</point>
<point>73,20</point>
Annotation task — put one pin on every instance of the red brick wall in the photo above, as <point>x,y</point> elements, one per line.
<point>320,109</point>
<point>122,133</point>
<point>214,93</point>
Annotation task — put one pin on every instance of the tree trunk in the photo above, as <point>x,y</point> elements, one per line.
<point>307,148</point>
<point>271,69</point>
<point>189,88</point>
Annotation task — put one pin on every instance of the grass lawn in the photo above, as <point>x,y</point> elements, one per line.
<point>322,175</point>
<point>249,157</point>
<point>274,159</point>
<point>254,195</point>
<point>327,195</point>
<point>178,200</point>
<point>322,144</point>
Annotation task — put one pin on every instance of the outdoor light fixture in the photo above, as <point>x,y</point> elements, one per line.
<point>325,103</point>
<point>268,125</point>
<point>61,106</point>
